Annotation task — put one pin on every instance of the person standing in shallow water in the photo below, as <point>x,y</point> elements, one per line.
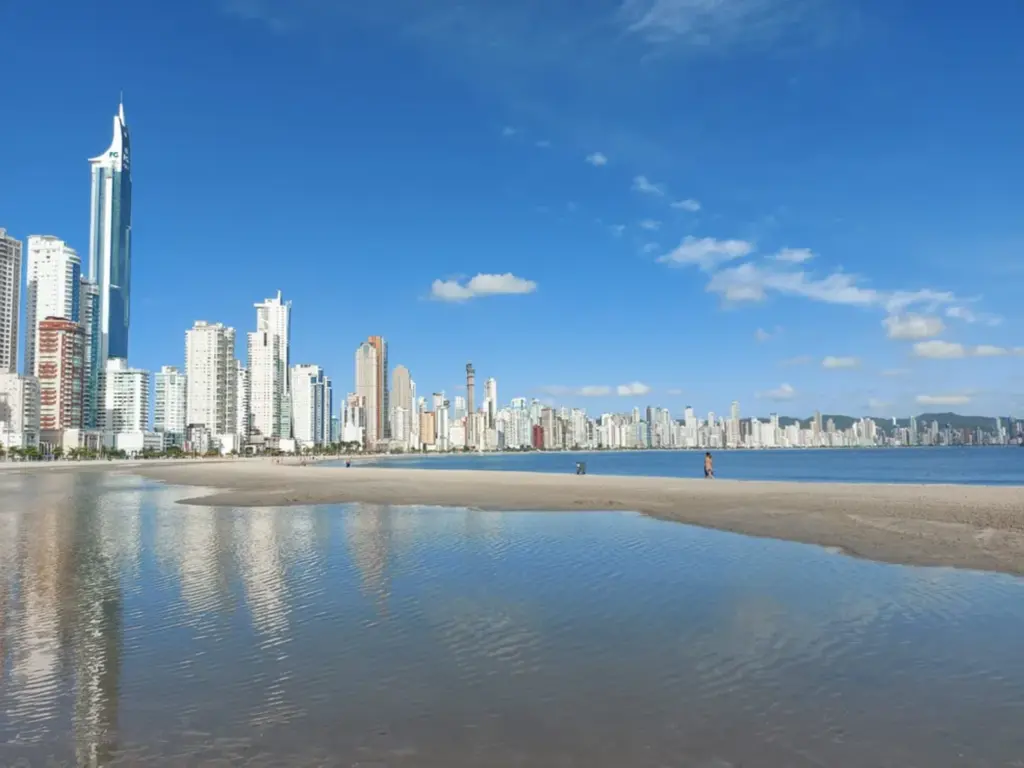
<point>709,469</point>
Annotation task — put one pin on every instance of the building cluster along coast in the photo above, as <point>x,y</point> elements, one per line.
<point>78,391</point>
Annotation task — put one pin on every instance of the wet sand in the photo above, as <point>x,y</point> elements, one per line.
<point>978,527</point>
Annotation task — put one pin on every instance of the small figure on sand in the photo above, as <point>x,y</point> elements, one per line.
<point>709,468</point>
<point>348,463</point>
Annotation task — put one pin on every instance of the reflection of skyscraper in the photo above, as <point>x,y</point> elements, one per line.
<point>263,574</point>
<point>368,534</point>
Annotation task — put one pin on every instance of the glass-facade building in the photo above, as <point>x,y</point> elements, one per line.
<point>110,241</point>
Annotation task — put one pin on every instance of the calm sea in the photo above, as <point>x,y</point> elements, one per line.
<point>136,631</point>
<point>974,466</point>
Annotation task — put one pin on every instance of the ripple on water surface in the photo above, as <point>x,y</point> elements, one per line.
<point>138,631</point>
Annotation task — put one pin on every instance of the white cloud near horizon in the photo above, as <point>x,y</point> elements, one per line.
<point>937,349</point>
<point>780,393</point>
<point>633,389</point>
<point>707,253</point>
<point>647,187</point>
<point>942,399</point>
<point>481,285</point>
<point>597,159</point>
<point>834,363</point>
<point>794,255</point>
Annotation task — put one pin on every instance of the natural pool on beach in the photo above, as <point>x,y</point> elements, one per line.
<point>134,630</point>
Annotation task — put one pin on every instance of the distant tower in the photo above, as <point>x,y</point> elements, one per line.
<point>470,406</point>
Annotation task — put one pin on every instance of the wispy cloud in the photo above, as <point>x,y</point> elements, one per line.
<point>894,372</point>
<point>794,255</point>
<point>762,335</point>
<point>789,362</point>
<point>633,389</point>
<point>481,285</point>
<point>936,349</point>
<point>969,316</point>
<point>647,187</point>
<point>651,225</point>
<point>650,248</point>
<point>597,159</point>
<point>782,392</point>
<point>943,399</point>
<point>707,252</point>
<point>689,204</point>
<point>833,363</point>
<point>913,326</point>
<point>508,130</point>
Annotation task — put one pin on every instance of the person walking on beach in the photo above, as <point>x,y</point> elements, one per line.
<point>709,469</point>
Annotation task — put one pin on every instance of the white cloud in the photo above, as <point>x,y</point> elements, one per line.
<point>617,229</point>
<point>794,255</point>
<point>689,204</point>
<point>894,372</point>
<point>632,389</point>
<point>840,362</point>
<point>969,316</point>
<point>651,225</point>
<point>650,248</point>
<point>913,326</point>
<point>783,392</point>
<point>943,399</point>
<point>593,390</point>
<point>750,282</point>
<point>939,350</point>
<point>898,302</point>
<point>987,350</point>
<point>762,335</point>
<point>597,159</point>
<point>710,24</point>
<point>481,285</point>
<point>647,187</point>
<point>508,130</point>
<point>707,252</point>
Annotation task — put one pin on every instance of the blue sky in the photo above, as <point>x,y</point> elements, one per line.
<point>798,204</point>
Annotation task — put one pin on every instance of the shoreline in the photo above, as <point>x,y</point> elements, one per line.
<point>963,526</point>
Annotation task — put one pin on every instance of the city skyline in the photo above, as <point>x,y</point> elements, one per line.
<point>819,257</point>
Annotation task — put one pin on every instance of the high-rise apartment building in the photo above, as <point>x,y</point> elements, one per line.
<point>383,396</point>
<point>491,388</point>
<point>401,403</point>
<point>242,408</point>
<point>52,289</point>
<point>212,377</point>
<point>470,404</point>
<point>367,389</point>
<point>273,318</point>
<point>60,368</point>
<point>312,402</point>
<point>125,406</point>
<point>10,301</point>
<point>169,405</point>
<point>266,385</point>
<point>459,408</point>
<point>89,319</point>
<point>110,241</point>
<point>19,411</point>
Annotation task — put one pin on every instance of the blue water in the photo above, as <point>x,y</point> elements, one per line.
<point>969,466</point>
<point>135,631</point>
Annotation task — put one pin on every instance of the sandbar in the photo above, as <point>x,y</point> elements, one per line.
<point>977,527</point>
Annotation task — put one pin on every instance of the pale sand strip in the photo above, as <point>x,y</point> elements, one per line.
<point>978,527</point>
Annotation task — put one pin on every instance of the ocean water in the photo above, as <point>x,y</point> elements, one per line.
<point>973,466</point>
<point>137,631</point>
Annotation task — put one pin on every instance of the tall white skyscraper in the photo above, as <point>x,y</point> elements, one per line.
<point>491,391</point>
<point>10,301</point>
<point>53,275</point>
<point>401,404</point>
<point>273,316</point>
<point>366,389</point>
<point>125,406</point>
<point>212,376</point>
<point>110,240</point>
<point>312,402</point>
<point>266,384</point>
<point>169,405</point>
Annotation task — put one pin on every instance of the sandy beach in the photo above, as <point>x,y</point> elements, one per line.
<point>978,527</point>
